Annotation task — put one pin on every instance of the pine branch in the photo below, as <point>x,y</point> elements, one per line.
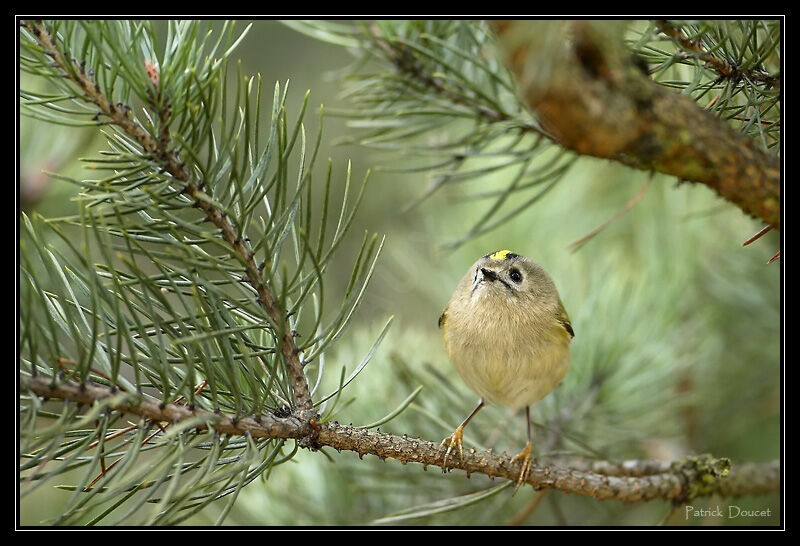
<point>722,67</point>
<point>171,163</point>
<point>262,426</point>
<point>406,64</point>
<point>448,101</point>
<point>596,101</point>
<point>678,481</point>
<point>591,96</point>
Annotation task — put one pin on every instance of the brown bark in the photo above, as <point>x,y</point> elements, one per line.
<point>594,99</point>
<point>629,481</point>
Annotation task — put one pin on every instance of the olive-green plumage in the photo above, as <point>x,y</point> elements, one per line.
<point>506,331</point>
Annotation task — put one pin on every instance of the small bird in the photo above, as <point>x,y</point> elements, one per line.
<point>507,335</point>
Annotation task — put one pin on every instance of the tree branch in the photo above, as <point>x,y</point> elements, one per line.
<point>631,481</point>
<point>406,64</point>
<point>262,426</point>
<point>720,66</point>
<point>172,164</point>
<point>594,99</point>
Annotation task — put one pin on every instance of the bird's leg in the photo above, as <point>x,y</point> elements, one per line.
<point>525,454</point>
<point>454,440</point>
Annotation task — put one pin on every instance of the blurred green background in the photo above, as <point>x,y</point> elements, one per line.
<point>677,346</point>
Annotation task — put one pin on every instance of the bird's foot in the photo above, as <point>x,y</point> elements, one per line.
<point>527,460</point>
<point>453,441</point>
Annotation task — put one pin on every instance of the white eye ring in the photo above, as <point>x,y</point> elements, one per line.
<point>515,275</point>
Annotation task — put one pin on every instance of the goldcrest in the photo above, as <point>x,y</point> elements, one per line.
<point>507,335</point>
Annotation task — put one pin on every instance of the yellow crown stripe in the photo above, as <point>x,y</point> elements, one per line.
<point>499,255</point>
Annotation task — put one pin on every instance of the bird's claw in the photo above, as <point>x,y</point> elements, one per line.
<point>527,460</point>
<point>454,440</point>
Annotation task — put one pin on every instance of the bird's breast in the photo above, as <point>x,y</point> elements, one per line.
<point>508,359</point>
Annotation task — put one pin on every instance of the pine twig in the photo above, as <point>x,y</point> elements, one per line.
<point>777,256</point>
<point>529,509</point>
<point>268,426</point>
<point>758,235</point>
<point>663,521</point>
<point>172,164</point>
<point>679,481</point>
<point>103,468</point>
<point>720,66</point>
<point>405,64</point>
<point>577,243</point>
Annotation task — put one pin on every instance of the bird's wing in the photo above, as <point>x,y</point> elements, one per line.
<point>563,319</point>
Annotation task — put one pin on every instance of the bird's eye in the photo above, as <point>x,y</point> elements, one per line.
<point>515,275</point>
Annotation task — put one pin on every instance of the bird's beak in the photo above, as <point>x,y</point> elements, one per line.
<point>489,274</point>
